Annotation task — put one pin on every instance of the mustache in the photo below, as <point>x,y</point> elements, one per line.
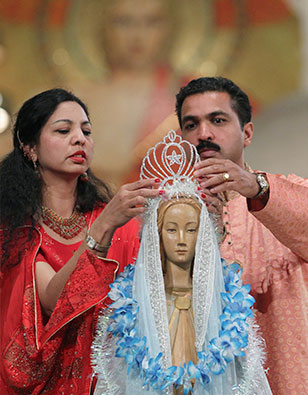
<point>207,144</point>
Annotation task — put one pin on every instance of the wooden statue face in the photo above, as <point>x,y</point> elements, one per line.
<point>179,234</point>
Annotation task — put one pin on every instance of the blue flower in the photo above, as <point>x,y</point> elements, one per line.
<point>154,371</point>
<point>203,367</point>
<point>217,364</point>
<point>230,342</point>
<point>179,380</point>
<point>170,377</point>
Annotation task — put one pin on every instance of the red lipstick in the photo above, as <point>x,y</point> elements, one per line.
<point>78,157</point>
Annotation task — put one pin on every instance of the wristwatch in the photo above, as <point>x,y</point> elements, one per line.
<point>95,246</point>
<point>263,184</point>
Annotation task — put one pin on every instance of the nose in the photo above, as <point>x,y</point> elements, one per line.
<point>205,132</point>
<point>78,137</point>
<point>181,237</point>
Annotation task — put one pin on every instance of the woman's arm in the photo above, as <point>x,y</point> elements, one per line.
<point>125,205</point>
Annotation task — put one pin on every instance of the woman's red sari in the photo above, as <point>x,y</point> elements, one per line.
<point>53,357</point>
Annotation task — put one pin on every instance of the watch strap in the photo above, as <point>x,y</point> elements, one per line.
<point>263,184</point>
<point>95,246</point>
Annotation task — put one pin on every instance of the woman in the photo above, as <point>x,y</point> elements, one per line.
<point>62,243</point>
<point>182,321</point>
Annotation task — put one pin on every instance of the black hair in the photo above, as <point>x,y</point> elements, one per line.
<point>239,100</point>
<point>21,186</point>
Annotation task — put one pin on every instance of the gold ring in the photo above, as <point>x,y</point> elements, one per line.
<point>226,176</point>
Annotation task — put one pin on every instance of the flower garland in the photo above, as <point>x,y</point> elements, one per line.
<point>230,342</point>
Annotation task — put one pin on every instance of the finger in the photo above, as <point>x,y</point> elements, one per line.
<point>138,201</point>
<point>208,162</point>
<point>145,193</point>
<point>147,183</point>
<point>209,183</point>
<point>212,209</point>
<point>137,211</point>
<point>226,186</point>
<point>213,195</point>
<point>211,170</point>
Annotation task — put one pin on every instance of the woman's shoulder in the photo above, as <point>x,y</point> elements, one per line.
<point>23,245</point>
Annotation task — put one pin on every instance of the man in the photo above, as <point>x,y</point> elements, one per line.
<point>265,223</point>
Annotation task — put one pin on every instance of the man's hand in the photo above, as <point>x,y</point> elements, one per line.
<point>214,202</point>
<point>212,175</point>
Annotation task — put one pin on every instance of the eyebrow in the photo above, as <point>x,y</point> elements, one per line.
<point>70,121</point>
<point>210,115</point>
<point>219,112</point>
<point>175,223</point>
<point>189,118</point>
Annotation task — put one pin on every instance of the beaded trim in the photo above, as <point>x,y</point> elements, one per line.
<point>67,228</point>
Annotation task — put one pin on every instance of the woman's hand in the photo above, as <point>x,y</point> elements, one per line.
<point>128,202</point>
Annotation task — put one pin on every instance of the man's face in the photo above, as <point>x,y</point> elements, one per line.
<point>208,117</point>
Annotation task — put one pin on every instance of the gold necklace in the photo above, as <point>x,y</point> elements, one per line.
<point>65,227</point>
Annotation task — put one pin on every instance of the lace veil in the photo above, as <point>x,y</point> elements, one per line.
<point>172,161</point>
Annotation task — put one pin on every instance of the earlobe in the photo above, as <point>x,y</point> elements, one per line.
<point>33,153</point>
<point>30,153</point>
<point>248,133</point>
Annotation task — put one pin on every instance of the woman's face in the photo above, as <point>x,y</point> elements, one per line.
<point>65,146</point>
<point>135,32</point>
<point>179,233</point>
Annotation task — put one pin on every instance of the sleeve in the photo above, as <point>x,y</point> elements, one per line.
<point>89,283</point>
<point>286,212</point>
<point>34,350</point>
<point>87,286</point>
<point>125,244</point>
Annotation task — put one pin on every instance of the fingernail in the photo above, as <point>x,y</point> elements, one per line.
<point>207,205</point>
<point>157,180</point>
<point>162,192</point>
<point>198,188</point>
<point>203,195</point>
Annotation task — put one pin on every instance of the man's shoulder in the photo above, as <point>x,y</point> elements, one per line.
<point>297,179</point>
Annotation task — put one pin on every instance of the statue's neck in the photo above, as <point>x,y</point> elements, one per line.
<point>178,276</point>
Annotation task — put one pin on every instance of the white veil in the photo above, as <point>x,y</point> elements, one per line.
<point>243,374</point>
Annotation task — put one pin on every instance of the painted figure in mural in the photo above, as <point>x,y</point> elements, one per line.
<point>138,91</point>
<point>57,223</point>
<point>264,218</point>
<point>181,318</point>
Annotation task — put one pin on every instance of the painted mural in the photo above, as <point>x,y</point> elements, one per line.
<point>127,59</point>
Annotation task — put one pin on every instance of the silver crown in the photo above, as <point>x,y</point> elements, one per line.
<point>172,160</point>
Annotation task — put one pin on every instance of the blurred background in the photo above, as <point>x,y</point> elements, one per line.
<point>128,58</point>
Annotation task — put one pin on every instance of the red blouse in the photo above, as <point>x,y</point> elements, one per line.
<point>54,358</point>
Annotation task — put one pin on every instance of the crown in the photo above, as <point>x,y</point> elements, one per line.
<point>172,161</point>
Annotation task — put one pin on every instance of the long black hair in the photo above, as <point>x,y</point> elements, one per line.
<point>20,185</point>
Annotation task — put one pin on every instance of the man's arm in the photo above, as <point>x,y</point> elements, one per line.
<point>286,212</point>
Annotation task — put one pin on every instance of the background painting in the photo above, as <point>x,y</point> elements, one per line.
<point>127,59</point>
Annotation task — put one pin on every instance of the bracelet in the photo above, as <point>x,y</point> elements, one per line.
<point>94,245</point>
